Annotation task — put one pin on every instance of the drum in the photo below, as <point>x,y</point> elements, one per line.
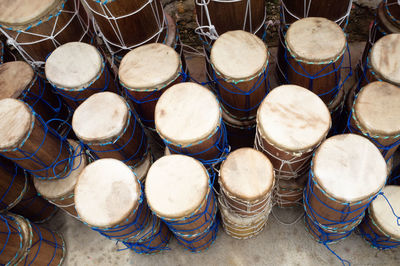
<point>35,28</point>
<point>240,63</point>
<point>392,11</point>
<point>144,83</point>
<point>191,209</point>
<point>315,53</point>
<point>289,193</point>
<point>246,180</point>
<point>380,225</point>
<point>108,198</point>
<point>29,244</point>
<point>240,133</point>
<point>61,192</point>
<point>291,123</point>
<point>336,110</point>
<point>188,119</point>
<point>108,126</point>
<point>28,141</point>
<point>76,71</point>
<point>347,172</point>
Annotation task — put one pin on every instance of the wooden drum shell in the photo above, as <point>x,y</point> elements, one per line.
<point>200,242</point>
<point>16,247</point>
<point>326,236</point>
<point>289,193</point>
<point>13,184</point>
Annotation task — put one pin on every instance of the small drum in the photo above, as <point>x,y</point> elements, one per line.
<point>108,126</point>
<point>61,192</point>
<point>240,133</point>
<point>291,123</point>
<point>28,141</point>
<point>347,172</point>
<point>315,49</point>
<point>179,191</point>
<point>240,63</point>
<point>188,119</point>
<point>146,73</point>
<point>392,11</point>
<point>289,193</point>
<point>246,180</point>
<point>76,71</point>
<point>26,243</point>
<point>108,198</point>
<point>380,226</point>
<point>36,27</point>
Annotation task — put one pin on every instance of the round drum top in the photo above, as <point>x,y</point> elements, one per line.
<point>385,58</point>
<point>187,113</point>
<point>73,65</point>
<point>382,213</point>
<point>151,66</point>
<point>107,192</point>
<point>15,122</point>
<point>316,40</point>
<point>349,167</point>
<point>377,107</point>
<point>247,174</point>
<point>176,185</point>
<point>293,118</point>
<point>101,117</point>
<point>62,187</point>
<point>15,77</point>
<point>239,55</point>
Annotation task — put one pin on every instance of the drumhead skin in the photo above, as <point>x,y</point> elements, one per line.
<point>15,77</point>
<point>349,168</point>
<point>151,66</point>
<point>101,117</point>
<point>247,174</point>
<point>176,186</point>
<point>385,58</point>
<point>15,122</point>
<point>107,192</point>
<point>293,118</point>
<point>187,113</point>
<point>377,107</point>
<point>73,65</point>
<point>239,55</point>
<point>315,40</point>
<point>382,213</point>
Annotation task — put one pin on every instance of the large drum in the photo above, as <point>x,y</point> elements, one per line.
<point>347,173</point>
<point>179,191</point>
<point>291,123</point>
<point>77,70</point>
<point>28,141</point>
<point>146,73</point>
<point>240,63</point>
<point>188,119</point>
<point>380,226</point>
<point>36,27</point>
<point>246,181</point>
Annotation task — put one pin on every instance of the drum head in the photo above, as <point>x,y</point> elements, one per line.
<point>15,122</point>
<point>149,67</point>
<point>73,66</point>
<point>15,77</point>
<point>349,168</point>
<point>176,186</point>
<point>293,118</point>
<point>247,174</point>
<point>239,55</point>
<point>316,40</point>
<point>187,113</point>
<point>107,192</point>
<point>377,107</point>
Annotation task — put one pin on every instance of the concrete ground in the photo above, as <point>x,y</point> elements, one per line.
<point>277,244</point>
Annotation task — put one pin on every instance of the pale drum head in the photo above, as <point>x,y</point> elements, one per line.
<point>107,192</point>
<point>247,174</point>
<point>149,67</point>
<point>239,55</point>
<point>349,168</point>
<point>316,40</point>
<point>187,113</point>
<point>15,77</point>
<point>176,186</point>
<point>101,117</point>
<point>293,118</point>
<point>73,66</point>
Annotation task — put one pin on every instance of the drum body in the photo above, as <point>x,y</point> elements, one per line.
<point>289,193</point>
<point>240,133</point>
<point>339,121</point>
